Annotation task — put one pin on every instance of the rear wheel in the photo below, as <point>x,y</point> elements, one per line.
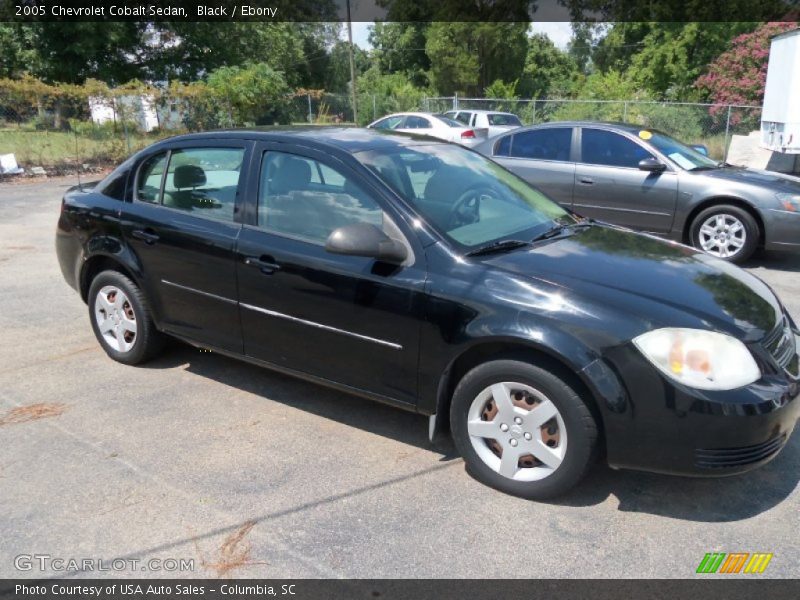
<point>120,319</point>
<point>725,231</point>
<point>521,429</point>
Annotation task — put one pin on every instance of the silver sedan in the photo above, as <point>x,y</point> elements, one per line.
<point>644,179</point>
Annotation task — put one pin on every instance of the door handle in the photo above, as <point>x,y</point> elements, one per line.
<point>266,264</point>
<point>148,236</point>
<point>586,180</point>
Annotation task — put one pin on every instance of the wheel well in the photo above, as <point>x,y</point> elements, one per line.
<point>714,202</point>
<point>98,264</point>
<point>502,350</point>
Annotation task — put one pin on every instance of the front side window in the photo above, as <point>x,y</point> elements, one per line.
<point>599,147</point>
<point>303,198</point>
<point>552,143</point>
<point>682,155</point>
<point>204,181</point>
<point>469,198</point>
<point>414,122</point>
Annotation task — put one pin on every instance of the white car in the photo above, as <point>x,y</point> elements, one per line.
<point>438,126</point>
<point>495,122</point>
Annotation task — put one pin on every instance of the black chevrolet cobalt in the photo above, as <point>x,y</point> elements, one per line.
<point>423,275</point>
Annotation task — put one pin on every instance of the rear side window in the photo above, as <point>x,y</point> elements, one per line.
<point>292,202</point>
<point>543,144</point>
<point>388,123</point>
<point>114,185</point>
<point>148,184</point>
<point>464,117</point>
<point>204,181</point>
<point>503,146</point>
<point>599,147</point>
<point>501,119</point>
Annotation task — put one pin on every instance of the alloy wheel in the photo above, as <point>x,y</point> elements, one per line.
<point>517,431</point>
<point>115,318</point>
<point>722,235</point>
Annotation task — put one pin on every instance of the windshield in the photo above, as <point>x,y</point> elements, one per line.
<point>468,198</point>
<point>504,119</point>
<point>682,155</point>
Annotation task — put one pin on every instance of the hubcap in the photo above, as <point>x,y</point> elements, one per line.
<point>115,318</point>
<point>517,431</point>
<point>722,235</point>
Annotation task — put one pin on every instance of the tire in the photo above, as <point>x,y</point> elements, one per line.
<point>737,228</point>
<point>121,320</point>
<point>523,388</point>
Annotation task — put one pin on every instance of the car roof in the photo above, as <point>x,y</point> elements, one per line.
<point>481,111</point>
<point>628,127</point>
<point>349,139</point>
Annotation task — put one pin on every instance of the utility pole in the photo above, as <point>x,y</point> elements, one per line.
<point>352,64</point>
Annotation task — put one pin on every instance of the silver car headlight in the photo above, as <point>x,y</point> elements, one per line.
<point>790,202</point>
<point>700,359</point>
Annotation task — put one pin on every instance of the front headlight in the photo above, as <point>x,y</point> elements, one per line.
<point>700,359</point>
<point>790,202</point>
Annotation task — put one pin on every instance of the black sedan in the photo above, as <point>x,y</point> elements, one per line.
<point>421,274</point>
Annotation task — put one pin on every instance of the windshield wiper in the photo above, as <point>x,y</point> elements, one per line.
<point>557,230</point>
<point>501,246</point>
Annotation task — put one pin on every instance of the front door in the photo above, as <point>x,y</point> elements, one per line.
<point>609,185</point>
<point>347,319</point>
<point>182,224</point>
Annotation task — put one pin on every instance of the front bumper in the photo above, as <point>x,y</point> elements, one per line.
<point>669,428</point>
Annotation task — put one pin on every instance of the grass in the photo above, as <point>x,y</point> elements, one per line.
<point>60,148</point>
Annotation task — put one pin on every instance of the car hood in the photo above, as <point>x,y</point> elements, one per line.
<point>770,179</point>
<point>662,283</point>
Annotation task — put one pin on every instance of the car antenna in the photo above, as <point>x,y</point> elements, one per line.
<point>78,160</point>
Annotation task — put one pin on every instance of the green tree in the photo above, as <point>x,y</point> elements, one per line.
<point>467,57</point>
<point>665,58</point>
<point>255,93</point>
<point>400,48</point>
<point>337,77</point>
<point>548,71</point>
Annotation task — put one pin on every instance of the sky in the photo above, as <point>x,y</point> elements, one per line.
<point>559,32</point>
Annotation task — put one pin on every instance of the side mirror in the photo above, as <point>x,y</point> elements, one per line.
<point>701,148</point>
<point>651,164</point>
<point>363,239</point>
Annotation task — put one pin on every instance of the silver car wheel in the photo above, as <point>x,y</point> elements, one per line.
<point>115,318</point>
<point>517,431</point>
<point>722,235</point>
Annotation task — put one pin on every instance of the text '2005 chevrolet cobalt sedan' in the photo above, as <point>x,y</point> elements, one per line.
<point>421,274</point>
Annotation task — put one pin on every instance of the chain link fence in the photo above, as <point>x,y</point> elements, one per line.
<point>94,134</point>
<point>709,124</point>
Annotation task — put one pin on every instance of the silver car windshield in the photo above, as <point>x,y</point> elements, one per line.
<point>465,196</point>
<point>682,155</point>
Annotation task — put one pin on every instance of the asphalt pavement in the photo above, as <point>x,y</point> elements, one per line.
<point>241,472</point>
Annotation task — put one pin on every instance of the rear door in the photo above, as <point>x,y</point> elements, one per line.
<point>543,158</point>
<point>347,319</point>
<point>610,186</point>
<point>182,225</point>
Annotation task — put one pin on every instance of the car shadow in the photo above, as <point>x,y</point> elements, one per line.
<point>353,411</point>
<point>694,499</point>
<point>779,261</point>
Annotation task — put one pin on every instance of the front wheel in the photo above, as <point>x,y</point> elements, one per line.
<point>725,231</point>
<point>120,319</point>
<point>522,430</point>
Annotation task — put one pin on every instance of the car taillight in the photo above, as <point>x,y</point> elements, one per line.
<point>468,135</point>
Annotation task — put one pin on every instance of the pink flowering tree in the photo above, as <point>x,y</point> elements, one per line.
<point>738,76</point>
